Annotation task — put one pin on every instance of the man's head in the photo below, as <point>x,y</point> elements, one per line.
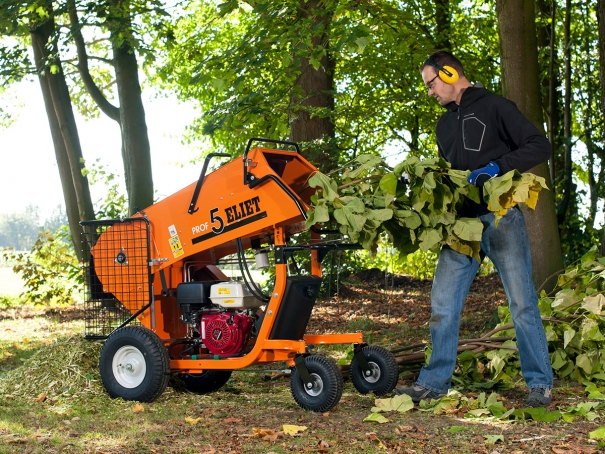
<point>444,78</point>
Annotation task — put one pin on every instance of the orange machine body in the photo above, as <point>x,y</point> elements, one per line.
<point>260,200</point>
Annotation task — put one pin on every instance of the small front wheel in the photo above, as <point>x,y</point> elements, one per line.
<point>382,373</point>
<point>324,390</point>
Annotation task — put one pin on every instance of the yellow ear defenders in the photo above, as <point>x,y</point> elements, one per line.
<point>446,73</point>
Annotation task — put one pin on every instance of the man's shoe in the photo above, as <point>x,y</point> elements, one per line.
<point>418,393</point>
<point>539,397</point>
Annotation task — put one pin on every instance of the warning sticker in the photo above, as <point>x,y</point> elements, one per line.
<point>224,291</point>
<point>175,245</point>
<point>172,230</point>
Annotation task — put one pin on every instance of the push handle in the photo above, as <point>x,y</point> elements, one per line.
<point>200,181</point>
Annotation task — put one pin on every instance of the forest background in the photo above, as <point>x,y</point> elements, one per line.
<point>339,77</point>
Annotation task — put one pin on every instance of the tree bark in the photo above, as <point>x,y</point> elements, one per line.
<point>601,22</point>
<point>136,152</point>
<point>517,30</point>
<point>442,17</point>
<point>314,90</point>
<point>566,187</point>
<point>64,133</point>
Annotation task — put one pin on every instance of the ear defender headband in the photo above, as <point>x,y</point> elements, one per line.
<point>446,73</point>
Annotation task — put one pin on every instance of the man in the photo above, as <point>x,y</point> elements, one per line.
<point>487,134</point>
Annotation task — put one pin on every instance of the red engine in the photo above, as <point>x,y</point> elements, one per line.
<point>225,333</point>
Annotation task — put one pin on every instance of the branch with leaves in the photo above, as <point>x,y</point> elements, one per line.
<point>366,198</point>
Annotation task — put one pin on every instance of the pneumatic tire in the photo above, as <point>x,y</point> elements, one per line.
<point>326,387</point>
<point>134,364</point>
<point>383,372</point>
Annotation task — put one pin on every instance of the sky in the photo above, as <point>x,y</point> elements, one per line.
<point>30,176</point>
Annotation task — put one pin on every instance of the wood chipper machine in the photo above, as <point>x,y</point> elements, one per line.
<point>154,291</point>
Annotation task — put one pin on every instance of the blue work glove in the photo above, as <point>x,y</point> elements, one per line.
<point>404,178</point>
<point>480,176</point>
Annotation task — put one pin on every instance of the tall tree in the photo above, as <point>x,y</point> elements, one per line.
<point>59,44</point>
<point>130,115</point>
<point>62,123</point>
<point>517,30</point>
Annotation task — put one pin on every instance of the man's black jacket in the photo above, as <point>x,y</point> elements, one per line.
<point>486,127</point>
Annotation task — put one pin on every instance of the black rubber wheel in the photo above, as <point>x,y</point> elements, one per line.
<point>327,384</point>
<point>206,382</point>
<point>134,364</point>
<point>383,372</point>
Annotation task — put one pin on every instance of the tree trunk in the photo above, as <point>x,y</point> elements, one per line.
<point>550,81</point>
<point>64,133</point>
<point>517,30</point>
<point>566,187</point>
<point>442,17</point>
<point>601,22</point>
<point>589,117</point>
<point>313,91</point>
<point>136,152</point>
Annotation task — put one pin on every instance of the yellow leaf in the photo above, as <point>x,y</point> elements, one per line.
<point>8,354</point>
<point>290,429</point>
<point>138,408</point>
<point>259,432</point>
<point>41,397</point>
<point>192,421</point>
<point>532,198</point>
<point>372,436</point>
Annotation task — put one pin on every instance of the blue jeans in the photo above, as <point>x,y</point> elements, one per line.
<point>508,248</point>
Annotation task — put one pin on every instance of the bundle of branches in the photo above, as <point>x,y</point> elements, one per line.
<point>416,203</point>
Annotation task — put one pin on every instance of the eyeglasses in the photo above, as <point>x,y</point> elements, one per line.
<point>429,84</point>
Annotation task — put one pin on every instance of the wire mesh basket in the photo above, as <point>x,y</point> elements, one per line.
<point>116,272</point>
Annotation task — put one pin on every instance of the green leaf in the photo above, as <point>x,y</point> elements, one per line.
<point>568,336</point>
<point>347,218</point>
<point>469,229</point>
<point>590,331</point>
<point>401,403</point>
<point>542,414</point>
<point>478,412</point>
<point>493,439</point>
<point>585,363</point>
<point>446,404</point>
<point>353,204</point>
<point>455,429</point>
<point>327,185</point>
<point>594,304</point>
<point>429,238</point>
<point>565,298</point>
<point>380,215</point>
<point>376,417</point>
<point>322,213</point>
<point>388,184</point>
<point>597,434</point>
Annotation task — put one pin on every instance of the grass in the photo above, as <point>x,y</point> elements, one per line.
<point>52,401</point>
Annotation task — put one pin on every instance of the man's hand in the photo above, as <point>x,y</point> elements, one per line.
<point>480,176</point>
<point>404,178</point>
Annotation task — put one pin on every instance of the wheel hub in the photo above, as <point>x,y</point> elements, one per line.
<point>372,374</point>
<point>315,387</point>
<point>129,366</point>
